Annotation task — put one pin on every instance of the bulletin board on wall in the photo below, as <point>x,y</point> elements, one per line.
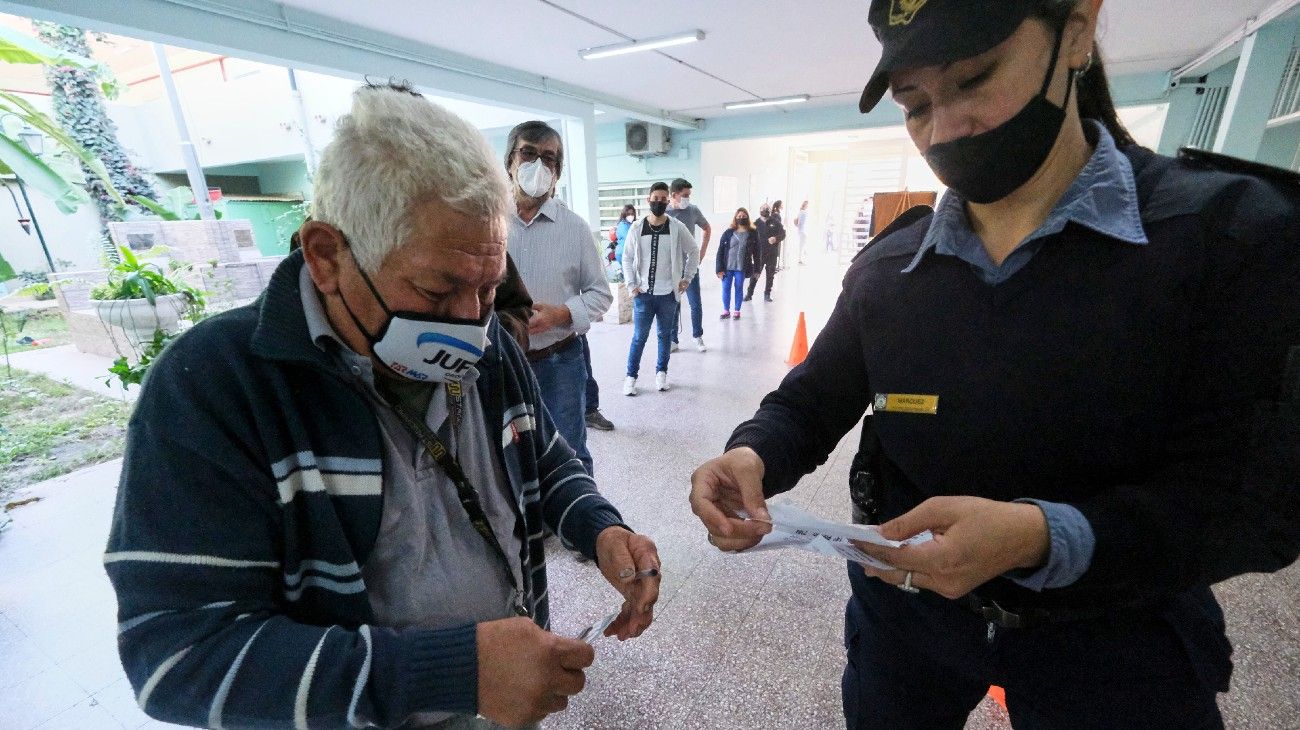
<point>886,207</point>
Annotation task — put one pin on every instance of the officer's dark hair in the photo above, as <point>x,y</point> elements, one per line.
<point>659,186</point>
<point>535,132</point>
<point>679,185</point>
<point>1095,101</point>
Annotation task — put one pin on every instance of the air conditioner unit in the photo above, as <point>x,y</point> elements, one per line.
<point>648,140</point>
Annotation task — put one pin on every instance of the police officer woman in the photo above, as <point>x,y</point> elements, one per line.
<point>1077,370</point>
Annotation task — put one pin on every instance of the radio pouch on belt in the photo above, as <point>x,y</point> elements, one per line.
<point>865,477</point>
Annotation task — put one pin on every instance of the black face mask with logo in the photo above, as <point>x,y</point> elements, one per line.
<point>987,167</point>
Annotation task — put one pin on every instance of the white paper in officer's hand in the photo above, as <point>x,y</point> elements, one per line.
<point>795,528</point>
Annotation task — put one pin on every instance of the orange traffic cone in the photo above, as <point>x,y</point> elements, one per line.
<point>799,349</point>
<point>999,695</point>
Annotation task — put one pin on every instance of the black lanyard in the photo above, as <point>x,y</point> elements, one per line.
<point>654,253</point>
<point>468,495</point>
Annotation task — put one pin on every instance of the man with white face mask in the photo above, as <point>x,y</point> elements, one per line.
<point>345,528</point>
<point>557,258</point>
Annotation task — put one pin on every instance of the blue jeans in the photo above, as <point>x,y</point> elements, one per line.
<point>593,390</point>
<point>697,312</point>
<point>647,307</point>
<point>733,283</point>
<point>562,380</point>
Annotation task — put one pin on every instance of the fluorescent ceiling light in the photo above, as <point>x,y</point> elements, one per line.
<point>799,99</point>
<point>649,44</point>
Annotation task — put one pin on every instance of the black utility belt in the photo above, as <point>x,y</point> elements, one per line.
<point>1025,617</point>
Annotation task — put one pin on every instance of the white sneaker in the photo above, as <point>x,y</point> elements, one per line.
<point>629,386</point>
<point>699,344</point>
<point>661,381</point>
<point>673,348</point>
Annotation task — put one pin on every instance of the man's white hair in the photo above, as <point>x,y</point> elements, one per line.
<point>394,150</point>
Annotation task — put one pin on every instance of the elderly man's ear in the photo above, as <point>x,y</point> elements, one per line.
<point>323,249</point>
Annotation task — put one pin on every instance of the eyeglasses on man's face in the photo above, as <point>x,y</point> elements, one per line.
<point>528,153</point>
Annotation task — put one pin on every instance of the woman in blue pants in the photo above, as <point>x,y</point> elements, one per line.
<point>735,263</point>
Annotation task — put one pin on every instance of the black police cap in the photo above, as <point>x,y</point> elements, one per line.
<point>933,32</point>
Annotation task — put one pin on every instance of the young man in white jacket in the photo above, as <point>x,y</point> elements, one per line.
<point>660,258</point>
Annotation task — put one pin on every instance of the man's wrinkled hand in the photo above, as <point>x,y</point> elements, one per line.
<point>621,555</point>
<point>975,540</point>
<point>525,673</point>
<point>722,487</point>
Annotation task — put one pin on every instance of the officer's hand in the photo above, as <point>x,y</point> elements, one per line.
<point>621,554</point>
<point>720,487</point>
<point>975,540</point>
<point>525,673</point>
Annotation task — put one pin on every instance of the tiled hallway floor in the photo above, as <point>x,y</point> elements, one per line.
<point>739,641</point>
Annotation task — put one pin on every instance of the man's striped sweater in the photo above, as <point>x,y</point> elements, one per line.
<point>250,497</point>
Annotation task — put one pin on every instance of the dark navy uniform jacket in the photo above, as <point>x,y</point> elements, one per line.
<point>1144,385</point>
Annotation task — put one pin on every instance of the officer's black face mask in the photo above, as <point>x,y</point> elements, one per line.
<point>989,166</point>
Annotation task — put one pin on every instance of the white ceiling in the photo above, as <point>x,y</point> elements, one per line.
<point>754,48</point>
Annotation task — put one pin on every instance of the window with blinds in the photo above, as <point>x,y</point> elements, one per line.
<point>1206,126</point>
<point>1288,94</point>
<point>613,196</point>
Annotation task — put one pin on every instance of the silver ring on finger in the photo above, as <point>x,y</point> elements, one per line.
<point>906,585</point>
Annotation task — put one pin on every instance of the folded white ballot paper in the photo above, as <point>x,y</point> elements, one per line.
<point>794,528</point>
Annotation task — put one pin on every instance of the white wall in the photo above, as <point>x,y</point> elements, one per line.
<point>73,238</point>
<point>766,169</point>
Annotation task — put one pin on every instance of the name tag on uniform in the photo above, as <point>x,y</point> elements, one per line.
<point>906,403</point>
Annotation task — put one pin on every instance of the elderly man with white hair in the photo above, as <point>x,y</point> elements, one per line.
<point>332,505</point>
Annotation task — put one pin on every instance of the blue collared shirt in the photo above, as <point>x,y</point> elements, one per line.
<point>1104,199</point>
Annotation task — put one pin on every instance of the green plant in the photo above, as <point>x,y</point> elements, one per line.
<point>57,177</point>
<point>78,97</point>
<point>6,270</point>
<point>180,206</point>
<point>290,221</point>
<point>133,374</point>
<point>131,278</point>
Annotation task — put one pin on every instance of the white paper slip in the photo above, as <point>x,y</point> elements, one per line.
<point>794,528</point>
<point>597,630</point>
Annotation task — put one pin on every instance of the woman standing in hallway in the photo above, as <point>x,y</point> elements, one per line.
<point>1074,543</point>
<point>736,261</point>
<point>625,221</point>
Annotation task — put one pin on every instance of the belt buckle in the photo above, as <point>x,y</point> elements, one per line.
<point>995,613</point>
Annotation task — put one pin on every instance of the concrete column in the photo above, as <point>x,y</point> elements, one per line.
<point>1254,88</point>
<point>1184,103</point>
<point>580,165</point>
